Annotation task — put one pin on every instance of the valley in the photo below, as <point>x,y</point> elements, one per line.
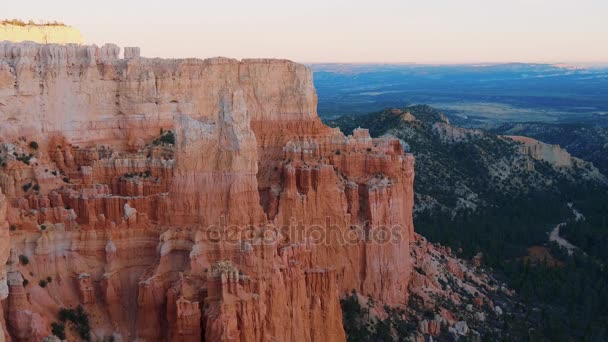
<point>509,199</point>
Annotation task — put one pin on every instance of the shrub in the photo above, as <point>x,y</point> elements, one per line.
<point>42,283</point>
<point>168,138</point>
<point>26,187</point>
<point>25,282</point>
<point>23,259</point>
<point>66,179</point>
<point>24,158</point>
<point>36,187</point>
<point>42,227</point>
<point>49,279</point>
<point>79,318</point>
<point>12,227</point>
<point>34,145</point>
<point>58,329</point>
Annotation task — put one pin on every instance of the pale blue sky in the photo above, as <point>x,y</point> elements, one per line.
<point>420,31</point>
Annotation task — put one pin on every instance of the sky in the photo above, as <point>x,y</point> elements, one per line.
<point>354,31</point>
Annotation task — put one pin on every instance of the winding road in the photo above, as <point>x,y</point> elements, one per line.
<point>554,235</point>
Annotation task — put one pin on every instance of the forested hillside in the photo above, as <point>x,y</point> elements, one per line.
<point>479,192</point>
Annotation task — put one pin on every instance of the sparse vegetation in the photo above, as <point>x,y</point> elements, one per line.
<point>58,329</point>
<point>359,325</point>
<point>145,174</point>
<point>23,259</point>
<point>79,320</point>
<point>166,138</point>
<point>24,158</point>
<point>18,22</point>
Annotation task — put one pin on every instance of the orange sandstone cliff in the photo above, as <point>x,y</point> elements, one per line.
<point>189,199</point>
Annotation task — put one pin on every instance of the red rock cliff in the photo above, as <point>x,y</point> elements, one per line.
<point>188,199</point>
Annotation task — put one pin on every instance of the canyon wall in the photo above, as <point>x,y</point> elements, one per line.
<point>190,199</point>
<point>47,34</point>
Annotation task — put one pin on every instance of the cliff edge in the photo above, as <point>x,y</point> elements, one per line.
<point>16,31</point>
<point>188,199</point>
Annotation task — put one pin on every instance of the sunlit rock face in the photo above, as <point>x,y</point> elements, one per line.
<point>188,199</point>
<point>40,33</point>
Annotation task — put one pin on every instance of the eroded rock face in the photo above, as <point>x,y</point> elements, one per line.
<point>557,157</point>
<point>4,245</point>
<point>188,199</point>
<point>553,154</point>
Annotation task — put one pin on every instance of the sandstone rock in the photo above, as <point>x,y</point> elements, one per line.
<point>24,324</point>
<point>248,226</point>
<point>4,245</point>
<point>86,292</point>
<point>498,310</point>
<point>461,328</point>
<point>480,316</point>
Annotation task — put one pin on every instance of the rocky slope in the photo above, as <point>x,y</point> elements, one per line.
<point>16,31</point>
<point>588,141</point>
<point>190,199</point>
<point>450,299</point>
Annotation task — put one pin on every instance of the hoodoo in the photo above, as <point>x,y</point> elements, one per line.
<point>188,199</point>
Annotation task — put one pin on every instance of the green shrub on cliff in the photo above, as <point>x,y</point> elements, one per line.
<point>79,319</point>
<point>58,329</point>
<point>24,260</point>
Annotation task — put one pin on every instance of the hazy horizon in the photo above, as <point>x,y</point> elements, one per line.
<point>387,32</point>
